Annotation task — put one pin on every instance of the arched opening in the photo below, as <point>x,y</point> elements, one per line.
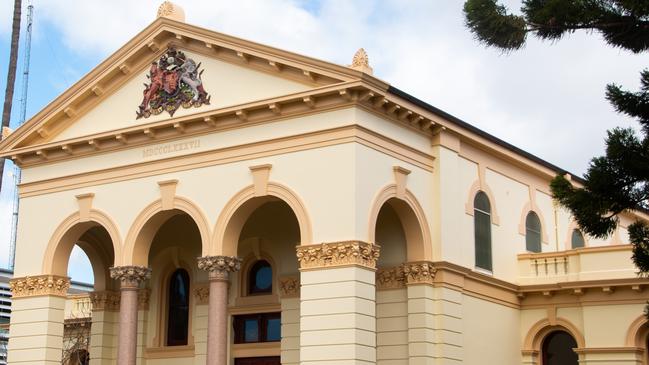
<point>172,251</point>
<point>398,231</point>
<point>85,252</point>
<point>558,349</point>
<point>391,236</point>
<point>264,231</point>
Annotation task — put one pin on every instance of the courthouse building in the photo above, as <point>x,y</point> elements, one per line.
<point>243,205</point>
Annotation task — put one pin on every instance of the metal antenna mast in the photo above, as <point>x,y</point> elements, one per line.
<point>23,112</point>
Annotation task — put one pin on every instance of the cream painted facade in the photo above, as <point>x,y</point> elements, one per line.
<point>360,197</point>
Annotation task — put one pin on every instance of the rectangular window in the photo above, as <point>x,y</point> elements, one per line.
<point>483,240</point>
<point>252,328</point>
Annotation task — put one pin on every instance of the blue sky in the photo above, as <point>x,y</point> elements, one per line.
<point>547,98</point>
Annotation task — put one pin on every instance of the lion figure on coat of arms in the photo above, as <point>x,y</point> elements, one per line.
<point>175,81</point>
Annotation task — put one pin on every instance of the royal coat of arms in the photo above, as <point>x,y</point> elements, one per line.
<point>175,81</point>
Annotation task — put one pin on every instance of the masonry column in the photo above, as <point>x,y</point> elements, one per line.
<point>337,303</point>
<point>130,278</point>
<point>37,311</point>
<point>103,332</point>
<point>434,318</point>
<point>219,269</point>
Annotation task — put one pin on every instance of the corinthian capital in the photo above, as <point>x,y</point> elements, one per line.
<point>130,276</point>
<point>219,266</point>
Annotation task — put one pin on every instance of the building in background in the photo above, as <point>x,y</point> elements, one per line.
<point>245,205</point>
<point>5,313</point>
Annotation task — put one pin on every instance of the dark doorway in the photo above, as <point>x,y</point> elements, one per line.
<point>271,360</point>
<point>558,349</point>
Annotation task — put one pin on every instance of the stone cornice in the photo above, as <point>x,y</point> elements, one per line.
<point>138,53</point>
<point>130,276</point>
<point>289,287</point>
<point>344,253</point>
<point>294,105</point>
<point>219,267</point>
<point>105,300</point>
<point>31,286</point>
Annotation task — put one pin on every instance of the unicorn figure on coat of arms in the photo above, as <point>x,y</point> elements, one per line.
<point>175,80</point>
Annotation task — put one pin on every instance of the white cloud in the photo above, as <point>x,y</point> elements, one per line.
<point>546,98</point>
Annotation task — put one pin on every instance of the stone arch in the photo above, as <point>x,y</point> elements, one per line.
<point>638,332</point>
<point>146,225</point>
<point>237,210</point>
<point>530,207</point>
<point>70,232</point>
<point>413,220</point>
<point>538,332</point>
<point>475,188</point>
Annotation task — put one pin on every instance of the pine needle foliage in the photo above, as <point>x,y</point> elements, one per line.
<point>618,181</point>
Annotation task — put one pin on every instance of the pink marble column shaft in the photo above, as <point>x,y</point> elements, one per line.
<point>217,326</point>
<point>219,268</point>
<point>130,278</point>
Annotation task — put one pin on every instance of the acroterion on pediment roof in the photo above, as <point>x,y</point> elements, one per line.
<point>130,62</point>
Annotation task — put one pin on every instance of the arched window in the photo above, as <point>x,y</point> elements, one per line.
<point>577,239</point>
<point>482,231</point>
<point>533,232</point>
<point>558,349</point>
<point>260,278</point>
<point>178,314</point>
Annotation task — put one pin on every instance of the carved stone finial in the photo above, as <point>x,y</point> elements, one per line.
<point>172,11</point>
<point>361,62</point>
<point>130,276</point>
<point>219,266</point>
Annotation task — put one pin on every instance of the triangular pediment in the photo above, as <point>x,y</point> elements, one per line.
<point>235,72</point>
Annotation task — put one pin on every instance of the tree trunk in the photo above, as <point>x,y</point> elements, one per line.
<point>11,76</point>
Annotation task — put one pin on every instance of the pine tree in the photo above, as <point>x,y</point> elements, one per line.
<point>619,180</point>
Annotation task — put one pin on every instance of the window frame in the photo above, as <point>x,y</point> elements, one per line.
<point>529,230</point>
<point>250,277</point>
<point>238,332</point>
<point>581,237</point>
<point>481,213</point>
<point>168,307</point>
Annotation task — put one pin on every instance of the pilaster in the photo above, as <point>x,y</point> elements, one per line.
<point>289,288</point>
<point>36,327</point>
<point>434,318</point>
<point>105,324</point>
<point>338,303</point>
